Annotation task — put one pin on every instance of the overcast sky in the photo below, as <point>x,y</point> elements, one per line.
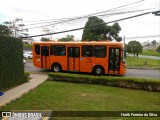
<point>33,11</point>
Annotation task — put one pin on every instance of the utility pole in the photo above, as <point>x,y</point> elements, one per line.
<point>157,13</point>
<point>124,47</point>
<point>124,41</point>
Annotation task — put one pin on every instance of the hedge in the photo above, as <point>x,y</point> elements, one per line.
<point>133,83</point>
<point>11,62</point>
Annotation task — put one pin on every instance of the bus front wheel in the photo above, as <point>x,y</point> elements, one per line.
<point>98,70</point>
<point>56,67</point>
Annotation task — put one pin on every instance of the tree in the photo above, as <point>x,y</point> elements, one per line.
<point>96,29</point>
<point>158,49</point>
<point>17,27</point>
<point>67,38</point>
<point>154,42</point>
<point>134,47</point>
<point>44,39</point>
<point>93,33</point>
<point>4,30</point>
<point>115,29</point>
<point>48,29</point>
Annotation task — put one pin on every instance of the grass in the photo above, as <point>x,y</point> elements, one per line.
<point>150,53</point>
<point>61,96</point>
<point>131,61</point>
<point>27,45</point>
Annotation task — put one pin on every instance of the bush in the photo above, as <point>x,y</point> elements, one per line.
<point>133,83</point>
<point>27,76</point>
<point>11,62</point>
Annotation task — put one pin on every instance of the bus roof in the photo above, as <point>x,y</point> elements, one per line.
<point>80,43</point>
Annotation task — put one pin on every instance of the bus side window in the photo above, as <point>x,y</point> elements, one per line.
<point>51,49</point>
<point>87,51</point>
<point>45,50</point>
<point>100,51</point>
<point>59,50</point>
<point>37,49</point>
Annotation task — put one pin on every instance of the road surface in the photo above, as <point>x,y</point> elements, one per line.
<point>137,73</point>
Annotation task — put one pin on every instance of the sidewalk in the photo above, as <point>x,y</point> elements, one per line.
<point>19,91</point>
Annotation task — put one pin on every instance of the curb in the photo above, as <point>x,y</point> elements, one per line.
<point>21,94</point>
<point>17,97</point>
<point>7,101</point>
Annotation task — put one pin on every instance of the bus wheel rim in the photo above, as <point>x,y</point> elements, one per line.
<point>56,68</point>
<point>98,70</point>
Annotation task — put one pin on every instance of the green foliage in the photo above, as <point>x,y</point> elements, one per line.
<point>11,62</point>
<point>27,76</point>
<point>134,47</point>
<point>141,83</point>
<point>67,38</point>
<point>96,29</point>
<point>93,33</point>
<point>4,30</point>
<point>44,39</point>
<point>115,29</point>
<point>158,49</point>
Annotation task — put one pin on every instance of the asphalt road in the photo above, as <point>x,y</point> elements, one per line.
<point>137,73</point>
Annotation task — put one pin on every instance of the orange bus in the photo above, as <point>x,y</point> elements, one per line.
<point>93,57</point>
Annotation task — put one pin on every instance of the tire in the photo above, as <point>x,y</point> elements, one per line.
<point>98,71</point>
<point>56,68</point>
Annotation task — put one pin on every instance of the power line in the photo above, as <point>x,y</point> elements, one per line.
<point>58,21</point>
<point>113,11</point>
<point>74,19</point>
<point>89,26</point>
<point>95,13</point>
<point>102,15</point>
<point>143,36</point>
<point>117,7</point>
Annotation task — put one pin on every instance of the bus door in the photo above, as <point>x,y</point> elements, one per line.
<point>86,60</point>
<point>114,61</point>
<point>44,56</point>
<point>73,58</point>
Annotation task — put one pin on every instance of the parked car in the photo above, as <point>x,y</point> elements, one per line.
<point>27,54</point>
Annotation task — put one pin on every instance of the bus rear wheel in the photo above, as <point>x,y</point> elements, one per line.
<point>98,70</point>
<point>56,67</point>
